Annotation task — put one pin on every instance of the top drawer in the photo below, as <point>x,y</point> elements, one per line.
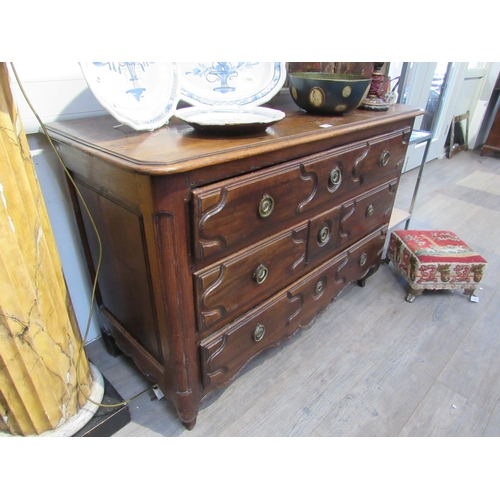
<point>235,213</point>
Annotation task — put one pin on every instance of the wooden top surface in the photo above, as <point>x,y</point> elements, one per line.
<point>177,147</point>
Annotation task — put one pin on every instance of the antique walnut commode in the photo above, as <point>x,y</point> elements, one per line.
<point>216,248</point>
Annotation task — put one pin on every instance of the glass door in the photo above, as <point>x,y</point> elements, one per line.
<point>436,96</point>
<point>426,85</point>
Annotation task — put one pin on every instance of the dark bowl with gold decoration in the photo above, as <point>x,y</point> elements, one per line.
<point>328,93</point>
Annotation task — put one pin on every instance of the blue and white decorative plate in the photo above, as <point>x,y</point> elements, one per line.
<point>230,120</point>
<point>230,83</point>
<point>142,95</point>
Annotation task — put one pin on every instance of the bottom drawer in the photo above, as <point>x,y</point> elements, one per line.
<point>226,351</point>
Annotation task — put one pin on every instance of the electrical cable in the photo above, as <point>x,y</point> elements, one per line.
<point>99,260</point>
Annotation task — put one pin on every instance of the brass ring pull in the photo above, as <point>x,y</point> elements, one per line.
<point>260,274</point>
<point>362,259</point>
<point>324,235</point>
<point>336,177</point>
<point>266,206</point>
<point>369,211</point>
<point>384,158</point>
<point>319,287</point>
<point>258,333</point>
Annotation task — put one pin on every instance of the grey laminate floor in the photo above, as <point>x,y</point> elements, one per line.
<point>372,364</point>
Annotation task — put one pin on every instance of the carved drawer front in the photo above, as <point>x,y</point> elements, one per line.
<point>234,285</point>
<point>366,212</point>
<point>342,225</point>
<point>231,214</point>
<point>226,351</point>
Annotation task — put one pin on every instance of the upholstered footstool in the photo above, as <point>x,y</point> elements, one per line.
<point>435,260</point>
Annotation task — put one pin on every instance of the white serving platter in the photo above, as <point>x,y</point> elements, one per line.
<point>142,95</point>
<point>230,120</point>
<point>230,83</point>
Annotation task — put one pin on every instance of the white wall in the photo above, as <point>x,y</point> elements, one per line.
<point>57,91</point>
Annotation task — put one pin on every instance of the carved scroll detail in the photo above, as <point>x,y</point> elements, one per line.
<point>355,173</point>
<point>207,241</point>
<point>343,279</point>
<point>299,240</point>
<point>221,369</point>
<point>210,314</point>
<point>307,176</point>
<point>347,211</point>
<point>293,298</point>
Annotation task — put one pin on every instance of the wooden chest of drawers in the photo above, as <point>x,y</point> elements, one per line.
<point>216,248</point>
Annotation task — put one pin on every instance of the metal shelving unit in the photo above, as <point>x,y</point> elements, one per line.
<point>398,215</point>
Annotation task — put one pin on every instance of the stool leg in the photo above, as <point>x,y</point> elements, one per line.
<point>412,294</point>
<point>469,292</point>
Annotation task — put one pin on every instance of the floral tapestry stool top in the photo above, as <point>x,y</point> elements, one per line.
<point>435,260</point>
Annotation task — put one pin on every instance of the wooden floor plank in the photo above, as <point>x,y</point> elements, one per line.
<point>482,181</point>
<point>493,427</point>
<point>474,369</point>
<point>382,403</point>
<point>445,413</point>
<point>301,406</point>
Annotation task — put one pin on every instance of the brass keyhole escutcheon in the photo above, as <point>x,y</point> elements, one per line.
<point>335,177</point>
<point>384,158</point>
<point>259,332</point>
<point>260,274</point>
<point>319,287</point>
<point>362,259</point>
<point>369,211</point>
<point>266,206</point>
<point>323,235</point>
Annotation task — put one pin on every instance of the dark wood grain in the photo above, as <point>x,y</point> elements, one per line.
<point>178,217</point>
<point>177,148</point>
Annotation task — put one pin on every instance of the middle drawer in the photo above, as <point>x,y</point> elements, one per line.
<point>234,285</point>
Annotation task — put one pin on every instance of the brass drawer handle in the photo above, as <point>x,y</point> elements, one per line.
<point>319,287</point>
<point>260,274</point>
<point>266,206</point>
<point>384,158</point>
<point>258,333</point>
<point>324,235</point>
<point>369,211</point>
<point>362,259</point>
<point>336,177</point>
